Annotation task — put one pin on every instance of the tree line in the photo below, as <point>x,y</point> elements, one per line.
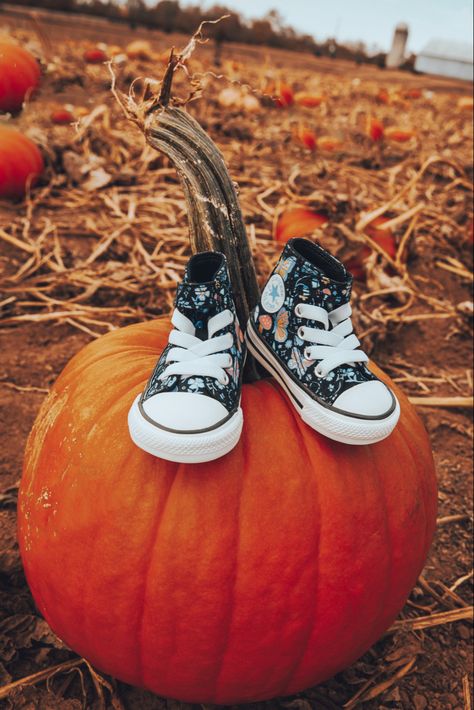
<point>170,16</point>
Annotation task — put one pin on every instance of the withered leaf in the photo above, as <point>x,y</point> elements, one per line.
<point>24,629</point>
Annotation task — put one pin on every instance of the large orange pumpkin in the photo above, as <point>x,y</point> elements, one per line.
<point>20,162</point>
<point>249,577</point>
<point>19,74</point>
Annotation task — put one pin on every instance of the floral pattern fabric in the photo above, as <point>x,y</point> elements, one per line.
<point>199,302</point>
<point>296,280</point>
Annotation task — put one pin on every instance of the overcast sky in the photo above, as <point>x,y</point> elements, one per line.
<point>371,21</point>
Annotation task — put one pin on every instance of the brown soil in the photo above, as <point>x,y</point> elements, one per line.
<point>428,669</point>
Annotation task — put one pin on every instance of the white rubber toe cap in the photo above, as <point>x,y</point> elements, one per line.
<point>184,411</point>
<point>370,399</point>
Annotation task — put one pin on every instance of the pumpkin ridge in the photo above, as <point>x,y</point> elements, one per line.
<point>48,414</point>
<point>147,569</point>
<point>427,537</point>
<point>388,544</point>
<point>131,385</point>
<point>226,632</point>
<point>430,486</point>
<point>85,591</point>
<point>286,682</point>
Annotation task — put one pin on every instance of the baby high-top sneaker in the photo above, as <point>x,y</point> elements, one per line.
<point>302,333</point>
<point>190,409</point>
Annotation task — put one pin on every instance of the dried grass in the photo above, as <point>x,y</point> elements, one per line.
<point>121,201</point>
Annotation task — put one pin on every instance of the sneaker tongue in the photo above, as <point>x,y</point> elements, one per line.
<point>200,301</point>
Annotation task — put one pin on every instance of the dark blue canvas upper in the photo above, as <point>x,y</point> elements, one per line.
<point>199,302</point>
<point>305,273</point>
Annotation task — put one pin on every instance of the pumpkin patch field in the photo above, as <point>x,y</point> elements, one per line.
<point>318,575</point>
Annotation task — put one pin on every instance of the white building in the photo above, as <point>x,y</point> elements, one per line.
<point>396,56</point>
<point>446,58</point>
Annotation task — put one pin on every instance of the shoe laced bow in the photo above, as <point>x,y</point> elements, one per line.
<point>333,345</point>
<point>192,356</point>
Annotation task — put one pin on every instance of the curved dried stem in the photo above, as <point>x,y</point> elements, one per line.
<point>215,218</point>
<point>214,214</point>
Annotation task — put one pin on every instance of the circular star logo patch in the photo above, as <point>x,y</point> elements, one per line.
<point>273,295</point>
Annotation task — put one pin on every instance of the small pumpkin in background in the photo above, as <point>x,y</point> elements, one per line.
<point>307,137</point>
<point>375,129</point>
<point>308,100</point>
<point>312,142</point>
<point>95,55</point>
<point>465,103</point>
<point>234,97</point>
<point>62,116</point>
<point>329,143</point>
<point>413,93</point>
<point>21,163</point>
<point>399,135</point>
<point>383,96</point>
<point>284,95</point>
<point>19,76</point>
<point>298,222</point>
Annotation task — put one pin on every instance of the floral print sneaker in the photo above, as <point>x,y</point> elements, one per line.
<point>190,409</point>
<point>302,333</point>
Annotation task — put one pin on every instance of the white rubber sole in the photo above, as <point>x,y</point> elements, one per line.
<point>340,427</point>
<point>184,448</point>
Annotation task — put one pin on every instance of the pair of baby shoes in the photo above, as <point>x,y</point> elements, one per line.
<point>300,332</point>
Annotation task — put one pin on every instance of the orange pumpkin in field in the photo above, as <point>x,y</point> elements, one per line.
<point>62,116</point>
<point>285,96</point>
<point>19,75</point>
<point>307,137</point>
<point>249,577</point>
<point>375,129</point>
<point>308,100</point>
<point>298,222</point>
<point>20,163</point>
<point>329,143</point>
<point>399,135</point>
<point>95,55</point>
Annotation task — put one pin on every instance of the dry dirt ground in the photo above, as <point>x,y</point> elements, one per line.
<point>65,262</point>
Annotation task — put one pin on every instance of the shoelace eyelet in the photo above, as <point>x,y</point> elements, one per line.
<point>298,311</point>
<point>307,354</point>
<point>301,332</point>
<point>224,380</point>
<point>319,373</point>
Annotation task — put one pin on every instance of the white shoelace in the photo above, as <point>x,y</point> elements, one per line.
<point>332,347</point>
<point>193,356</point>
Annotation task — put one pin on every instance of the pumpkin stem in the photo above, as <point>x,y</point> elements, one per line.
<point>215,218</point>
<point>165,93</point>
